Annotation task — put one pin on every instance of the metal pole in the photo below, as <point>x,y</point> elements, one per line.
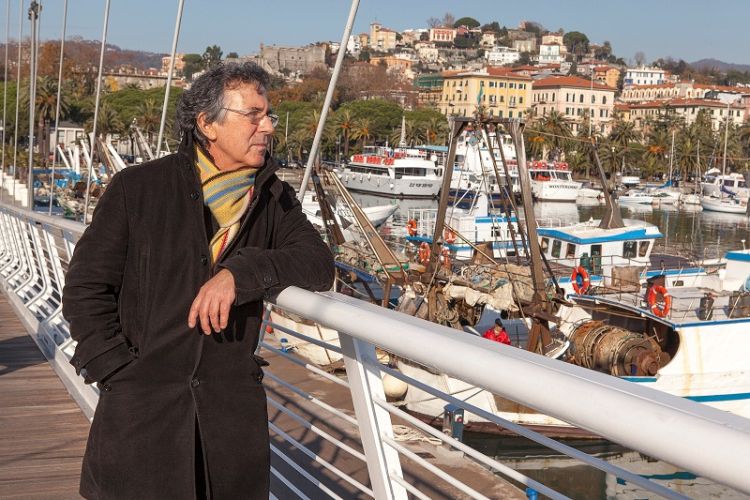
<point>5,96</point>
<point>34,9</point>
<point>329,98</point>
<point>57,104</point>
<point>96,111</point>
<point>177,25</point>
<point>18,95</point>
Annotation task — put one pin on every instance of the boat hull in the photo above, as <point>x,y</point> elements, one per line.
<point>724,206</point>
<point>406,187</point>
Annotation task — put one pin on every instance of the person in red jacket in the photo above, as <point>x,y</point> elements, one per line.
<point>497,333</point>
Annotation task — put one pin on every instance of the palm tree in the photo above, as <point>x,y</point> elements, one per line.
<point>623,133</point>
<point>344,122</point>
<point>362,130</point>
<point>434,129</point>
<point>149,116</point>
<point>109,121</point>
<point>45,108</point>
<point>557,132</point>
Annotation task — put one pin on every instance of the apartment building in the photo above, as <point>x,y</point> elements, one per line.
<point>575,98</point>
<point>496,91</point>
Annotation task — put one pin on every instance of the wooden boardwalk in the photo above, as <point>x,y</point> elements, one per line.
<point>43,432</point>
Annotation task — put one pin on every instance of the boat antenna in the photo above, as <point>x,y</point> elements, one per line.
<point>96,112</point>
<point>57,104</point>
<point>329,97</point>
<point>175,37</point>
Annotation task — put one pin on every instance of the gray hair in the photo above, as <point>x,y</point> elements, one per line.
<point>206,95</point>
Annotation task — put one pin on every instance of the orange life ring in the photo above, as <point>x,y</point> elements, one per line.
<point>445,258</point>
<point>449,236</point>
<point>580,272</point>
<point>411,227</point>
<point>424,253</point>
<point>655,291</point>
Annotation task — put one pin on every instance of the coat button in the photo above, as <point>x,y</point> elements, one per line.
<point>204,260</point>
<point>105,387</point>
<point>194,195</point>
<point>195,382</point>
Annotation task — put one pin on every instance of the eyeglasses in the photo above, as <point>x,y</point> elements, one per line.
<point>256,116</point>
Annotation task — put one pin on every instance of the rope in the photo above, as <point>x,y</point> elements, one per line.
<point>403,433</point>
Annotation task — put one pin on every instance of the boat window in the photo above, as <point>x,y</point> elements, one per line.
<point>678,283</point>
<point>545,245</point>
<point>556,245</point>
<point>643,248</point>
<point>570,253</point>
<point>729,182</point>
<point>740,183</point>
<point>628,249</point>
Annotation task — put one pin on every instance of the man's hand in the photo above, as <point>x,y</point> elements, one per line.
<point>211,305</point>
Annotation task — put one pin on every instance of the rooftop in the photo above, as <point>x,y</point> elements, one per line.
<point>569,81</point>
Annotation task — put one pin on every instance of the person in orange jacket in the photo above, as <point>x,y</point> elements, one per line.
<point>497,333</point>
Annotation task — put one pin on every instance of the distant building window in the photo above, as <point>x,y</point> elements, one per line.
<point>604,99</point>
<point>593,98</point>
<point>580,98</point>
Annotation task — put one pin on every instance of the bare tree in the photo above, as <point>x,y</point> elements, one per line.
<point>449,20</point>
<point>640,58</point>
<point>434,22</point>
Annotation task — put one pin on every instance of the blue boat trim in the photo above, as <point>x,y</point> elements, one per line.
<point>640,379</point>
<point>738,255</point>
<point>366,277</point>
<point>676,272</point>
<point>636,234</point>
<point>713,398</point>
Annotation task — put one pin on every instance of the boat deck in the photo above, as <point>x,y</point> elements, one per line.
<point>686,304</point>
<point>44,432</point>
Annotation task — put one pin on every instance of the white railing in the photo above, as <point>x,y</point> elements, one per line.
<point>34,253</point>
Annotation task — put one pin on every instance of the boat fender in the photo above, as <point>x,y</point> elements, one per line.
<point>580,279</point>
<point>393,387</point>
<point>424,253</point>
<point>449,236</point>
<point>653,293</point>
<point>411,227</point>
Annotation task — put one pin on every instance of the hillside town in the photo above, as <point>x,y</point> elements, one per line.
<point>568,88</point>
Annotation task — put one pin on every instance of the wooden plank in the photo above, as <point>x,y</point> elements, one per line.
<point>42,430</point>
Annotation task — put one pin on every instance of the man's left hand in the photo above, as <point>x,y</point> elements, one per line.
<point>213,302</point>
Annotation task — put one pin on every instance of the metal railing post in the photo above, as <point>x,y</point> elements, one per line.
<point>374,422</point>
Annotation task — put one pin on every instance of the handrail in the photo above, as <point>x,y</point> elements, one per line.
<point>35,249</point>
<point>702,439</point>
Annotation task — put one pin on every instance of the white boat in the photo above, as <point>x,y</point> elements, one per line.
<point>474,170</point>
<point>725,205</point>
<point>553,182</point>
<point>400,172</point>
<point>730,184</point>
<point>691,199</point>
<point>588,190</point>
<point>636,197</point>
<point>475,224</point>
<point>668,195</point>
<point>629,180</point>
<point>696,349</point>
<point>377,214</point>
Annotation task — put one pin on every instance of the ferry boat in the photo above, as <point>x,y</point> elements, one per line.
<point>400,172</point>
<point>552,181</point>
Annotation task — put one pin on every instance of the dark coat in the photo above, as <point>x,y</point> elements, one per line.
<point>132,279</point>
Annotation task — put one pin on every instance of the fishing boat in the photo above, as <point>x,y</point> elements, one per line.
<point>399,172</point>
<point>552,181</point>
<point>377,214</point>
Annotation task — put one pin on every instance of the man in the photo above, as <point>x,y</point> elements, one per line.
<point>497,333</point>
<point>164,296</point>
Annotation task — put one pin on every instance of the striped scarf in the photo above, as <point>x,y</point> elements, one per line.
<point>227,194</point>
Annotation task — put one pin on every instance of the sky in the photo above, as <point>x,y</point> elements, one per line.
<point>682,29</point>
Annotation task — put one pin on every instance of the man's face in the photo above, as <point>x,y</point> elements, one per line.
<point>241,137</point>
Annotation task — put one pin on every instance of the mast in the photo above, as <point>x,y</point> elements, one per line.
<point>329,97</point>
<point>540,311</point>
<point>671,158</point>
<point>457,126</point>
<point>57,104</point>
<point>612,218</point>
<point>724,160</point>
<point>175,37</point>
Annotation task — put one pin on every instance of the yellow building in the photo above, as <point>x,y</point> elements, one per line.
<point>381,38</point>
<point>497,91</point>
<point>608,75</point>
